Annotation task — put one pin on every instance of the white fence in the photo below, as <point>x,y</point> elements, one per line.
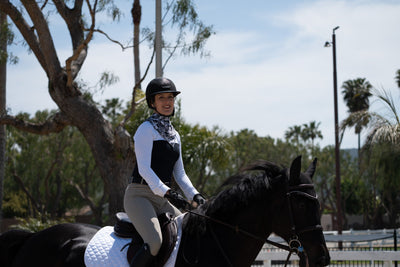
<point>387,257</point>
<point>352,241</point>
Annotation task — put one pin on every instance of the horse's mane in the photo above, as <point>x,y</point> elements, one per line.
<point>250,184</point>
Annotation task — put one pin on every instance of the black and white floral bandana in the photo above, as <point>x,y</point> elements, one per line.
<point>163,126</point>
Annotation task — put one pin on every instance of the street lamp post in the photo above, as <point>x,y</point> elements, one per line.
<point>337,145</point>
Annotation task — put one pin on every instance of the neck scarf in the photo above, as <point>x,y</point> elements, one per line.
<point>163,126</point>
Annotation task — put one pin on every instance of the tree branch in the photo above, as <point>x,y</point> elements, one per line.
<point>26,30</point>
<point>54,124</point>
<point>35,204</point>
<point>46,41</point>
<point>74,63</point>
<point>123,47</point>
<point>72,18</point>
<point>133,102</point>
<point>84,196</point>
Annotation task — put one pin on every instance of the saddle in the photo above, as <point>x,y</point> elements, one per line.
<point>125,229</point>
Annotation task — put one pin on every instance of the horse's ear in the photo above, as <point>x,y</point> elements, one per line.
<point>295,170</point>
<point>311,169</point>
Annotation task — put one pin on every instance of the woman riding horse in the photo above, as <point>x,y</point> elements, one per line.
<point>229,230</point>
<point>159,157</point>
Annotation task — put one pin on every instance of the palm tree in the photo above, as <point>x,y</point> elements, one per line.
<point>356,94</point>
<point>294,134</point>
<point>310,131</point>
<point>385,128</point>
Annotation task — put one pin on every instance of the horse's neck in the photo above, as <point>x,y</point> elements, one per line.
<point>246,236</point>
<point>240,246</point>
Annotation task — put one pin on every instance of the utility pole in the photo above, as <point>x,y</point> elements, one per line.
<point>158,41</point>
<point>339,213</point>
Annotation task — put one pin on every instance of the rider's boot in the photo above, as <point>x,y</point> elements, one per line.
<point>143,257</point>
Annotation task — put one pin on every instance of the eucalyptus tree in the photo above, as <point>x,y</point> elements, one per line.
<point>111,147</point>
<point>48,175</point>
<point>189,39</point>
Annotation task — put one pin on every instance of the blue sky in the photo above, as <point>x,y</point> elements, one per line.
<point>268,68</point>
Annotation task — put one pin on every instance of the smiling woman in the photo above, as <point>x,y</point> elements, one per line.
<point>164,103</point>
<point>159,159</point>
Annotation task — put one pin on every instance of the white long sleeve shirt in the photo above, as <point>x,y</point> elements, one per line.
<point>144,139</point>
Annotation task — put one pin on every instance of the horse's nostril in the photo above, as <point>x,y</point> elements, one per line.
<point>324,261</point>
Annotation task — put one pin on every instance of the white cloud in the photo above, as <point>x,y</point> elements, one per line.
<point>266,78</point>
<point>271,93</point>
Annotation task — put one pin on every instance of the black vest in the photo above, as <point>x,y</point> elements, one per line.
<point>163,159</point>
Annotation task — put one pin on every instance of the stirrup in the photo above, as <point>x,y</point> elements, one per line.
<point>143,257</point>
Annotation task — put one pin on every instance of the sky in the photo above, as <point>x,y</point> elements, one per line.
<point>268,69</point>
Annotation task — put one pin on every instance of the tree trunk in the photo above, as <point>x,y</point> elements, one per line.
<point>112,151</point>
<point>136,16</point>
<point>3,77</point>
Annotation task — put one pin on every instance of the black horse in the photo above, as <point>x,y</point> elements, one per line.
<point>229,230</point>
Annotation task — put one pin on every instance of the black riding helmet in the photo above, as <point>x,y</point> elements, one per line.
<point>158,86</point>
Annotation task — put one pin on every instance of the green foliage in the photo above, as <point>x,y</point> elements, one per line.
<point>6,39</point>
<point>44,171</point>
<point>204,153</point>
<point>54,166</point>
<point>14,204</point>
<point>191,34</point>
<point>381,174</point>
<point>36,225</point>
<point>112,110</point>
<point>304,136</point>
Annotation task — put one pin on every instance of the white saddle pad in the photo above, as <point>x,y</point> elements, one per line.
<point>105,248</point>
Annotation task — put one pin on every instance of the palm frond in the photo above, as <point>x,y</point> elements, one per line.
<point>387,98</point>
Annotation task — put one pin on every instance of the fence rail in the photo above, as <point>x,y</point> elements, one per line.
<point>339,258</point>
<point>360,248</point>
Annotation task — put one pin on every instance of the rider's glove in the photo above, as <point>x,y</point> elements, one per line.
<point>199,199</point>
<point>176,199</point>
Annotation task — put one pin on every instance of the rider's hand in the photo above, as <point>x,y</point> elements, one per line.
<point>176,199</point>
<point>199,199</point>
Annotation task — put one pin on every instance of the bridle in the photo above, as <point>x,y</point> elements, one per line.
<point>294,244</point>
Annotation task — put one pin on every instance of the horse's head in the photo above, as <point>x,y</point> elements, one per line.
<point>251,206</point>
<point>302,211</point>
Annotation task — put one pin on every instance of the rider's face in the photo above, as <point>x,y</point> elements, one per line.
<point>164,103</point>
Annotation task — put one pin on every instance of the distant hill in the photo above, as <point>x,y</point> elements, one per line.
<point>353,152</point>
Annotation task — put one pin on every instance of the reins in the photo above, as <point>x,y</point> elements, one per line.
<point>294,244</point>
<point>239,230</point>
